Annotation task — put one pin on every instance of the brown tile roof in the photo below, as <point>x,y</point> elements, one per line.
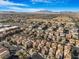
<point>2,50</point>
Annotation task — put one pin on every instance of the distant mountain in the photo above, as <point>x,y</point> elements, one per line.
<point>47,11</point>
<point>7,12</point>
<point>38,12</point>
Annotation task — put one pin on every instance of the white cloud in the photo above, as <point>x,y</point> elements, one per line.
<point>20,9</point>
<point>8,3</point>
<point>50,1</point>
<point>39,0</point>
<point>10,6</point>
<point>44,1</point>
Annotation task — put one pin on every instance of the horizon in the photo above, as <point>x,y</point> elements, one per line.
<point>37,5</point>
<point>39,11</point>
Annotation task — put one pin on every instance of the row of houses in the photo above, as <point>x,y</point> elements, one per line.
<point>6,50</point>
<point>6,30</point>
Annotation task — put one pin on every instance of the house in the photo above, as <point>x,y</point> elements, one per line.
<point>4,52</point>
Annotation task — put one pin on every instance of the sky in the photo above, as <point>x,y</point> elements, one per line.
<point>36,5</point>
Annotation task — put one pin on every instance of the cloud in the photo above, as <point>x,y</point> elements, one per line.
<point>18,9</point>
<point>50,1</point>
<point>8,3</point>
<point>44,1</point>
<point>39,0</point>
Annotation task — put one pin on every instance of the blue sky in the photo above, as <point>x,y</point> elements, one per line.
<point>36,5</point>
